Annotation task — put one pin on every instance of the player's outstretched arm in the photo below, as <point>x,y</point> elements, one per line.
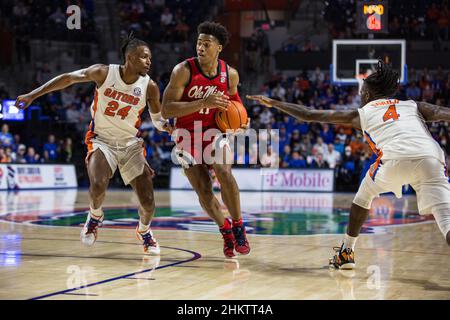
<point>172,107</point>
<point>432,112</point>
<point>154,106</point>
<point>306,114</point>
<point>96,73</point>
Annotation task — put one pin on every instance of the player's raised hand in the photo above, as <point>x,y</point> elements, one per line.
<point>217,100</point>
<point>262,100</point>
<point>23,101</point>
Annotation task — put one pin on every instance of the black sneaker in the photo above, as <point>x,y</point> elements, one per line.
<point>344,259</point>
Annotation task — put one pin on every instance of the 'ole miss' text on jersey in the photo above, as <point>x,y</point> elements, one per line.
<point>201,86</point>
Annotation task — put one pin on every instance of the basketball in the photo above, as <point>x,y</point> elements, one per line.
<point>232,119</point>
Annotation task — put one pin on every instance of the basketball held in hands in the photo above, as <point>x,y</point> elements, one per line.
<point>234,118</point>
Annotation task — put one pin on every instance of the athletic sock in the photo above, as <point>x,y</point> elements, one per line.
<point>349,242</point>
<point>142,227</point>
<point>96,213</point>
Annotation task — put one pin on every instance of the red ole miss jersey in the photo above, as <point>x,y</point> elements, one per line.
<point>201,86</point>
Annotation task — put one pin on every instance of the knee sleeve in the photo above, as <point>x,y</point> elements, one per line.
<point>442,216</point>
<point>366,193</point>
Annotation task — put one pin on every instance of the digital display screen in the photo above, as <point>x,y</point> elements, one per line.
<point>8,112</point>
<point>372,16</point>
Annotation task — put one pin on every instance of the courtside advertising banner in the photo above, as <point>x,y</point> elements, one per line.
<point>35,176</point>
<point>268,180</point>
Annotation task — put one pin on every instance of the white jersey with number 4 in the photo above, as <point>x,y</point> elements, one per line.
<point>117,108</point>
<point>396,130</point>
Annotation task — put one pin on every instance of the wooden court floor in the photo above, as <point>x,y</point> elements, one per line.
<point>401,255</point>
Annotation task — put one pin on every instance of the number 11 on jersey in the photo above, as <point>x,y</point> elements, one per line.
<point>391,113</point>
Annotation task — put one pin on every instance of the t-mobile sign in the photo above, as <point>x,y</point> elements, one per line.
<point>299,180</point>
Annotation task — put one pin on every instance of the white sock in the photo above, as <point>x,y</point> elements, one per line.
<point>142,227</point>
<point>96,213</point>
<point>349,242</point>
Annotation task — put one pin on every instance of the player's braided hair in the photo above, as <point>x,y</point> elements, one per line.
<point>130,43</point>
<point>215,29</point>
<point>384,82</point>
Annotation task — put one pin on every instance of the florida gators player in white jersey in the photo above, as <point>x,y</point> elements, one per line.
<point>406,151</point>
<point>121,95</point>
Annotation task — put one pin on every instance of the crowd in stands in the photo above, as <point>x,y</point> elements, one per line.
<point>13,150</point>
<point>419,19</point>
<point>314,145</point>
<point>301,145</point>
<point>45,19</point>
<point>162,20</point>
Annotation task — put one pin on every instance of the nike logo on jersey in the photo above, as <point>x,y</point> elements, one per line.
<point>120,96</point>
<point>200,92</point>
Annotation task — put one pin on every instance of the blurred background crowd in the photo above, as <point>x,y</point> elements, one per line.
<point>170,27</point>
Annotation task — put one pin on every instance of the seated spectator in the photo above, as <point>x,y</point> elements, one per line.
<point>357,144</point>
<point>332,157</point>
<point>320,146</point>
<point>66,152</point>
<point>327,134</point>
<point>32,156</point>
<point>6,138</point>
<point>51,150</point>
<point>413,91</point>
<point>270,159</point>
<point>297,161</point>
<point>20,154</point>
<point>4,158</point>
<point>319,162</point>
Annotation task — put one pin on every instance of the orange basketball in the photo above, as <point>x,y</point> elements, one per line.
<point>232,119</point>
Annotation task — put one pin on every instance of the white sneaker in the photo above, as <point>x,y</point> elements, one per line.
<point>88,234</point>
<point>150,244</point>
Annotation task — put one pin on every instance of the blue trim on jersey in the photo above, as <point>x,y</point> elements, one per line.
<point>365,132</point>
<point>376,171</point>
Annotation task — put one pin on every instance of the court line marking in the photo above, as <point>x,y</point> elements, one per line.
<point>195,257</point>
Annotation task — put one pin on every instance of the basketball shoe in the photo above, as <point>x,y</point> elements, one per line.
<point>228,239</point>
<point>151,247</point>
<point>89,232</point>
<point>344,259</point>
<point>241,244</point>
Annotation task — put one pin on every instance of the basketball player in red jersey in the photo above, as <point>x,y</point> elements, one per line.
<point>198,87</point>
<point>121,96</point>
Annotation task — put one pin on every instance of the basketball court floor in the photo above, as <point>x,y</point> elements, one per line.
<point>401,255</point>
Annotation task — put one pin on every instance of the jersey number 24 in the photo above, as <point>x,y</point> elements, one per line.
<point>112,108</point>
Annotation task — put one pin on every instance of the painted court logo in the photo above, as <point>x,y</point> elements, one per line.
<point>265,222</point>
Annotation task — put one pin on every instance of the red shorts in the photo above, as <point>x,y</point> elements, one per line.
<point>199,148</point>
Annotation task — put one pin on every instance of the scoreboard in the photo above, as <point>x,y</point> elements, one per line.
<point>372,16</point>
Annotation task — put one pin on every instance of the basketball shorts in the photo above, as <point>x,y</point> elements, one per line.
<point>211,146</point>
<point>129,157</point>
<point>427,176</point>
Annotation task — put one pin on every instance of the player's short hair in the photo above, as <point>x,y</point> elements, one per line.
<point>130,43</point>
<point>215,29</point>
<point>383,82</point>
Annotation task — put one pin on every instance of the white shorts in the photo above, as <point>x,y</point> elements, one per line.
<point>129,158</point>
<point>426,176</point>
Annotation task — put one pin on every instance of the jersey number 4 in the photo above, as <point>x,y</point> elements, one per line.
<point>112,108</point>
<point>391,113</point>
